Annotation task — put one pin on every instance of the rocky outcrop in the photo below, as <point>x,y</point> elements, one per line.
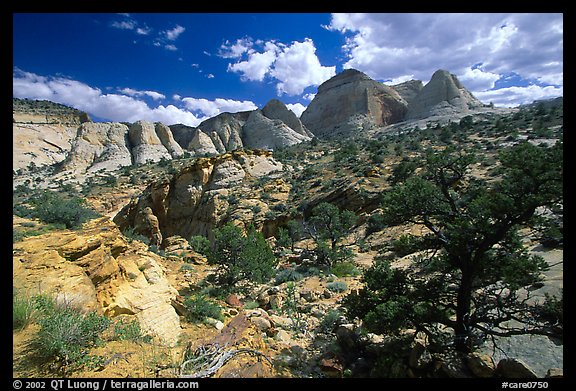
<point>275,109</point>
<point>42,132</point>
<point>146,145</point>
<point>27,111</point>
<point>202,144</point>
<point>409,89</point>
<point>40,144</point>
<point>344,98</point>
<point>272,127</point>
<point>196,199</point>
<point>95,268</point>
<point>98,145</point>
<point>443,95</point>
<point>263,133</point>
<point>165,135</point>
<point>110,145</point>
<point>225,129</point>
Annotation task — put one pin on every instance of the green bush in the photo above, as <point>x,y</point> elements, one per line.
<point>406,244</point>
<point>344,269</point>
<point>129,331</point>
<point>22,311</point>
<point>288,275</point>
<point>337,286</point>
<point>329,321</point>
<point>131,234</point>
<point>52,207</point>
<point>241,257</point>
<point>65,332</point>
<point>200,244</point>
<point>200,307</point>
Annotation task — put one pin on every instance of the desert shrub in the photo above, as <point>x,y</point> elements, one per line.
<point>65,332</point>
<point>344,269</point>
<point>131,234</point>
<point>406,244</point>
<point>129,331</point>
<point>200,307</point>
<point>328,323</point>
<point>251,305</point>
<point>52,207</point>
<point>376,222</point>
<point>241,257</point>
<point>186,267</point>
<point>22,310</point>
<point>337,286</point>
<point>288,275</point>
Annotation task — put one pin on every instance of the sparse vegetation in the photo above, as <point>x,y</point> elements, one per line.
<point>440,193</point>
<point>65,332</point>
<point>55,208</point>
<point>241,257</point>
<point>200,307</point>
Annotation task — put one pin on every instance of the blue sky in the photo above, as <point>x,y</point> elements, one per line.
<point>186,67</point>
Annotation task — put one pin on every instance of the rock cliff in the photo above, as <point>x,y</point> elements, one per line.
<point>443,95</point>
<point>349,101</point>
<point>197,198</point>
<point>97,269</point>
<point>272,127</point>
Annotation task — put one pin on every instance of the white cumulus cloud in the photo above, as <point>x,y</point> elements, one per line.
<point>152,94</point>
<point>294,67</point>
<point>514,96</point>
<point>110,107</point>
<point>390,46</point>
<point>297,108</point>
<point>210,108</point>
<point>174,33</point>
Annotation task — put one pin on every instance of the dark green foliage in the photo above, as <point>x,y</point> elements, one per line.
<point>403,171</point>
<point>131,234</point>
<point>199,307</point>
<point>329,321</point>
<point>553,310</point>
<point>52,207</point>
<point>330,223</point>
<point>376,222</point>
<point>200,244</point>
<point>241,257</point>
<point>480,262</point>
<point>283,238</point>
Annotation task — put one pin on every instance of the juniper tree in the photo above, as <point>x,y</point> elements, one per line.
<point>240,256</point>
<point>475,277</point>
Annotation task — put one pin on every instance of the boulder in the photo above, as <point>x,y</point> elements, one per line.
<point>165,135</point>
<point>227,129</point>
<point>514,368</point>
<point>97,146</point>
<point>201,144</point>
<point>261,323</point>
<point>481,365</point>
